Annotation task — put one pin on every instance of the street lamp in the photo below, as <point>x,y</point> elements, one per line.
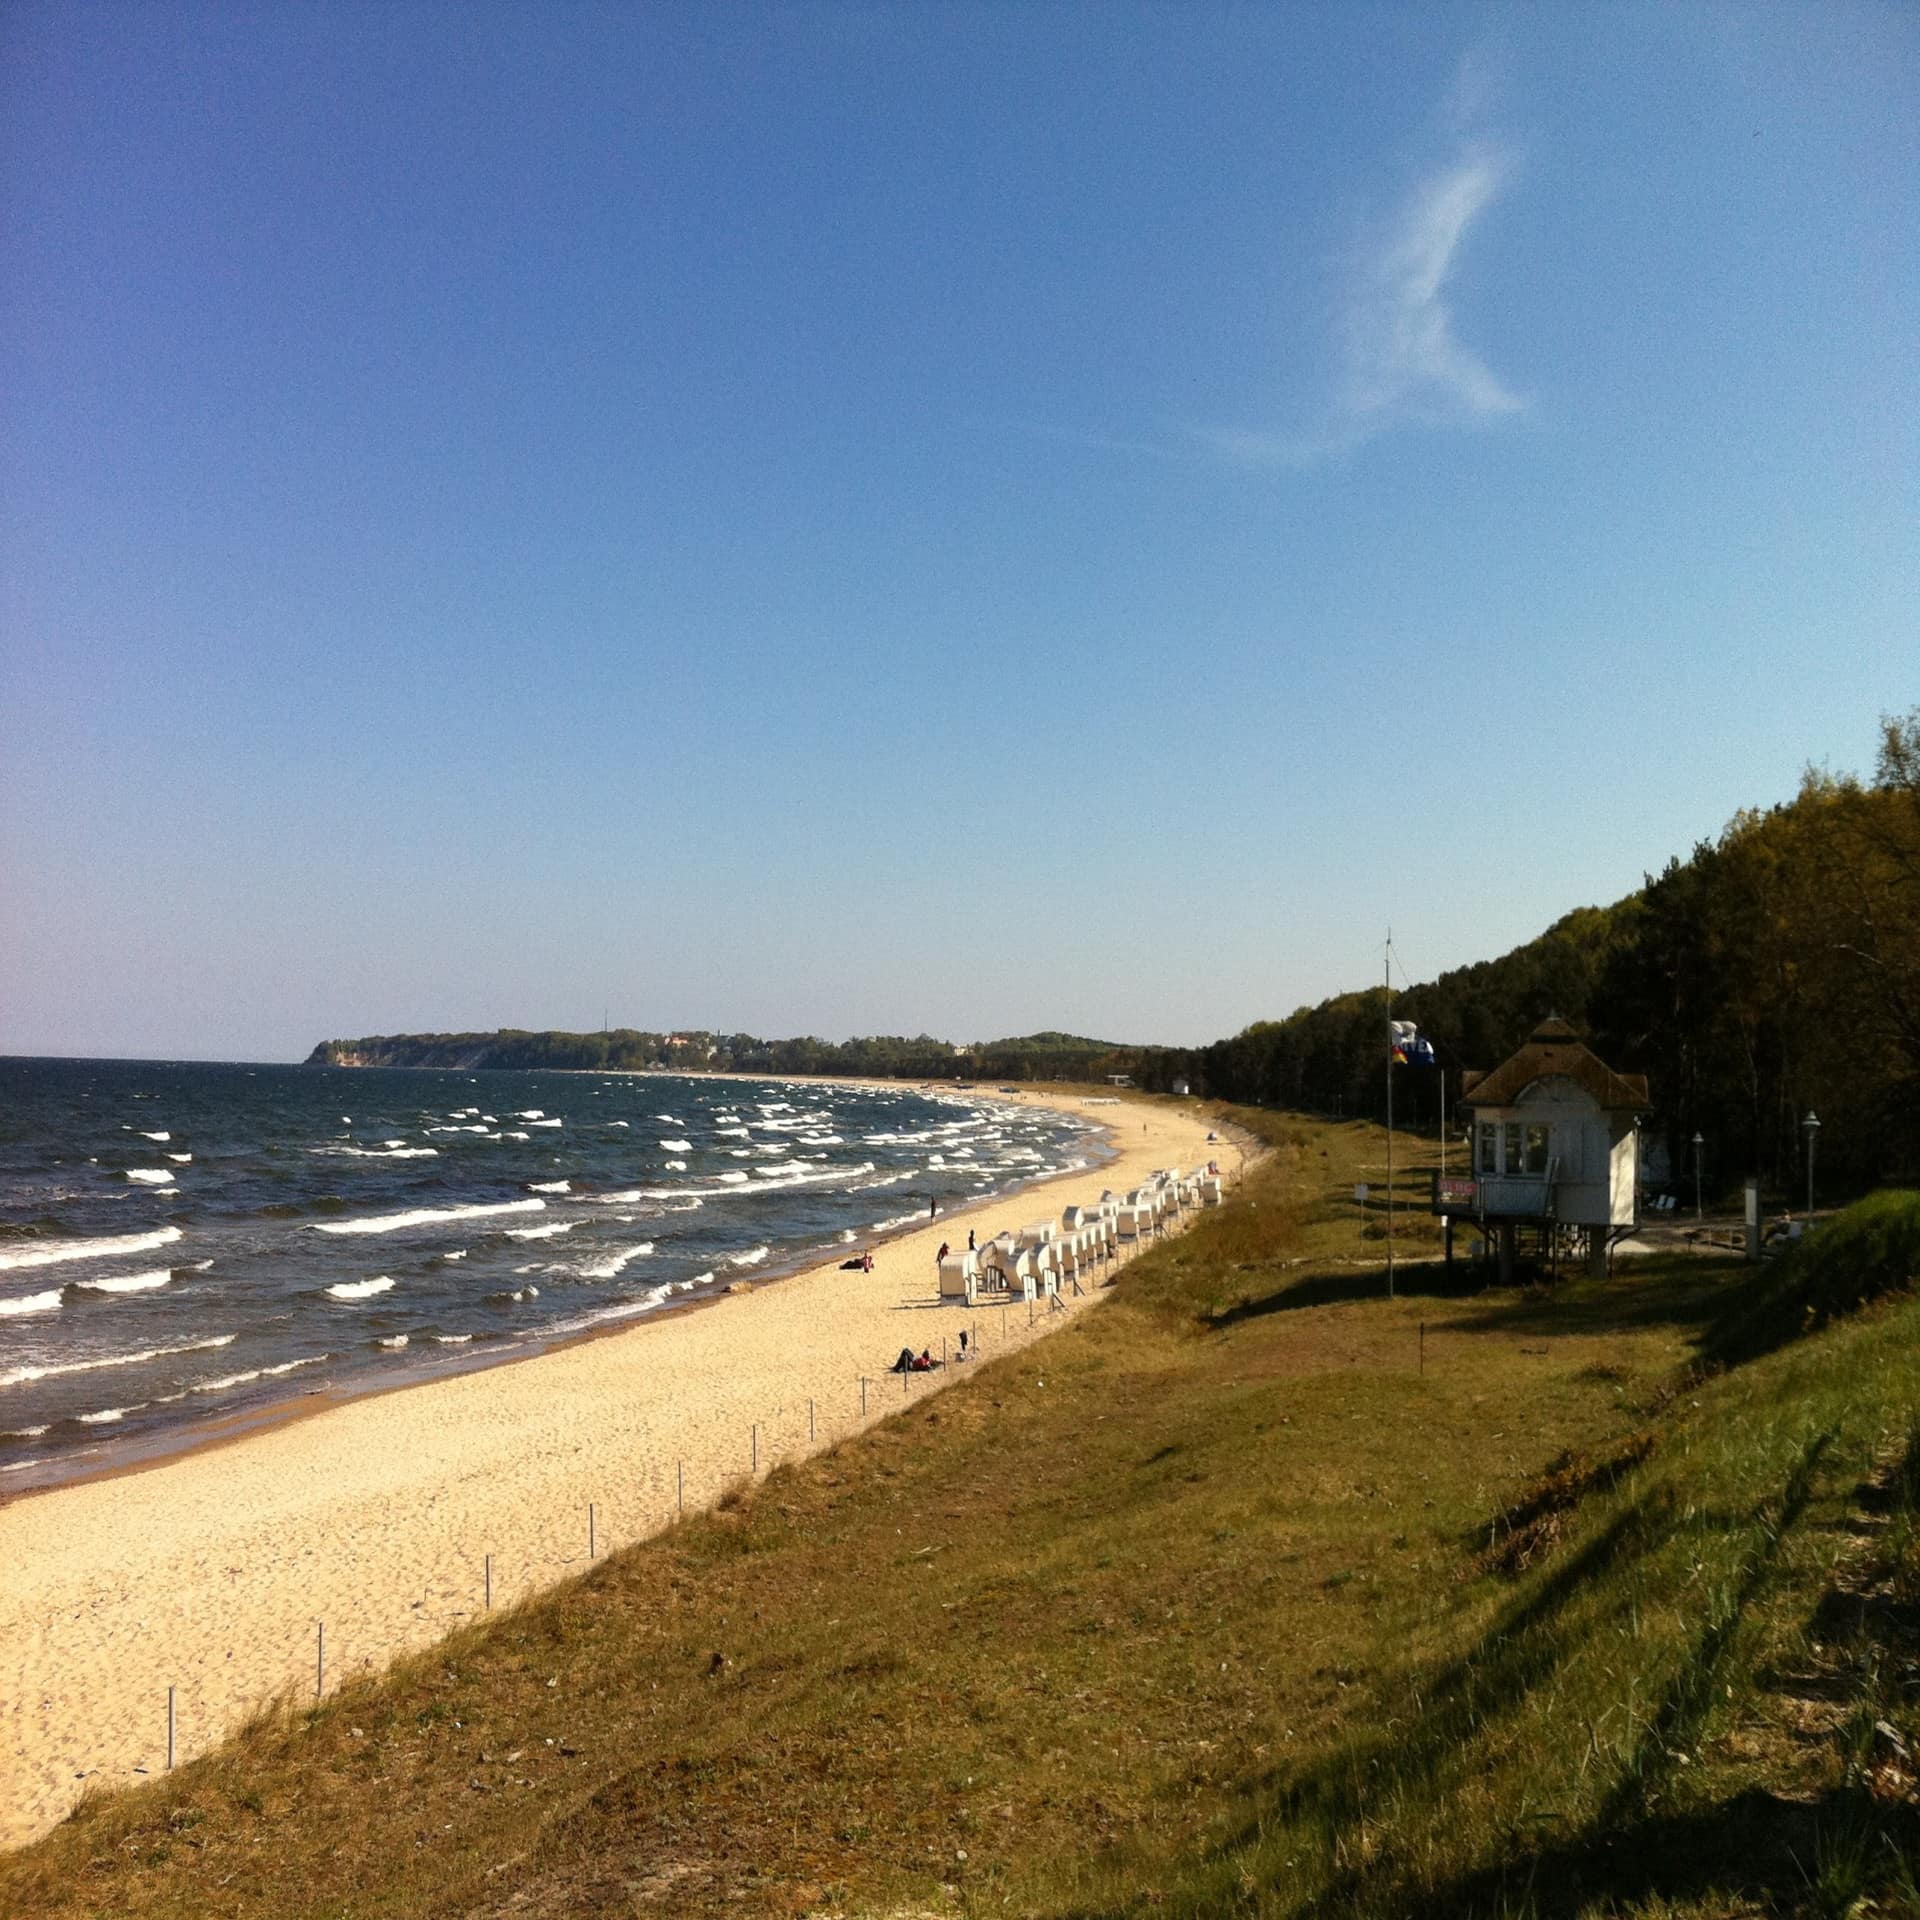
<point>1811,1126</point>
<point>1698,1142</point>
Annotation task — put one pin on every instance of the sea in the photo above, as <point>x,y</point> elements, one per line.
<point>185,1247</point>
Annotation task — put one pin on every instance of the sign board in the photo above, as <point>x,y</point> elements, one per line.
<point>1360,1192</point>
<point>1454,1193</point>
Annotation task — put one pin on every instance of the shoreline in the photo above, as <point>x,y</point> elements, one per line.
<point>214,1430</point>
<point>209,1569</point>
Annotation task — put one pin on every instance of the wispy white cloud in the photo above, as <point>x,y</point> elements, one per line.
<point>1403,359</point>
<point>1397,358</point>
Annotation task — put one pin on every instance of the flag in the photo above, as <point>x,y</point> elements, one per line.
<point>1406,1045</point>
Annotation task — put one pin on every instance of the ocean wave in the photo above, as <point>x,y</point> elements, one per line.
<point>678,1146</point>
<point>359,1289</point>
<point>425,1217</point>
<point>617,1123</point>
<point>701,1280</point>
<point>17,1376</point>
<point>899,1220</point>
<point>107,1415</point>
<point>549,1186</point>
<point>452,1339</point>
<point>379,1153</point>
<point>606,1269</point>
<point>475,1128</point>
<point>543,1233</point>
<point>32,1303</point>
<point>156,1136</point>
<point>751,1258</point>
<point>256,1373</point>
<point>676,1166</point>
<point>670,1119</point>
<point>395,1340</point>
<point>732,1133</point>
<point>546,1123</point>
<point>128,1282</point>
<point>151,1176</point>
<point>181,1159</point>
<point>532,1113</point>
<point>777,1179</point>
<point>24,1433</point>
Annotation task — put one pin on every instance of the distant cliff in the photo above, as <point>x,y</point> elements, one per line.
<point>1039,1056</point>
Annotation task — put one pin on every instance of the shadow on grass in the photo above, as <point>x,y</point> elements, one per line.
<point>1754,1847</point>
<point>1422,1280</point>
<point>1700,1303</point>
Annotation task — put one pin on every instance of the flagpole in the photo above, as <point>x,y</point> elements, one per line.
<point>1389,958</point>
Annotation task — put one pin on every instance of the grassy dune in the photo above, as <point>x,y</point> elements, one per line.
<point>1255,1593</point>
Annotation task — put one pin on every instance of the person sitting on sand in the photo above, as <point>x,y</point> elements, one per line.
<point>925,1362</point>
<point>906,1362</point>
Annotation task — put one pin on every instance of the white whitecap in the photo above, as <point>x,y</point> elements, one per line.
<point>32,1303</point>
<point>425,1217</point>
<point>156,1136</point>
<point>360,1289</point>
<point>549,1186</point>
<point>151,1176</point>
<point>129,1282</point>
<point>614,1262</point>
<point>678,1146</point>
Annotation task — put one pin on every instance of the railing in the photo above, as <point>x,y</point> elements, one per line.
<point>1528,1196</point>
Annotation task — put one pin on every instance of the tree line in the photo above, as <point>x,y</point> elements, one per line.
<point>1772,973</point>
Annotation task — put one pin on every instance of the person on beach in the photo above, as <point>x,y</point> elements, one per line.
<point>970,1246</point>
<point>866,1261</point>
<point>942,1254</point>
<point>933,1208</point>
<point>963,1343</point>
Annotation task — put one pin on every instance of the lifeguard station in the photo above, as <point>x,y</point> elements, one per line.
<point>1555,1152</point>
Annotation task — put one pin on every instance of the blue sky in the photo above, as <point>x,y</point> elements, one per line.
<point>875,518</point>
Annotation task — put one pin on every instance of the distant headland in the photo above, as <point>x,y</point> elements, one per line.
<point>1037,1056</point>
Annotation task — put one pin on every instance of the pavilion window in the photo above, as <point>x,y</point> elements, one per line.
<point>1489,1147</point>
<point>1516,1154</point>
<point>1537,1149</point>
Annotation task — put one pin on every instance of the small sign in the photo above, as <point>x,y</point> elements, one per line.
<point>1360,1192</point>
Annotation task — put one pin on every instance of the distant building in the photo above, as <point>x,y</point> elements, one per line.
<point>1181,1088</point>
<point>1119,1079</point>
<point>1555,1151</point>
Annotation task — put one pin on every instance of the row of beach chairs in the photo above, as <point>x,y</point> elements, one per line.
<point>1040,1259</point>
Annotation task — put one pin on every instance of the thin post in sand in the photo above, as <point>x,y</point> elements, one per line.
<point>170,1729</point>
<point>319,1659</point>
<point>756,1446</point>
<point>487,1578</point>
<point>810,1427</point>
<point>590,1536</point>
<point>863,1396</point>
<point>680,1478</point>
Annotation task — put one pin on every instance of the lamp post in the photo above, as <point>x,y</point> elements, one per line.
<point>1698,1142</point>
<point>1811,1127</point>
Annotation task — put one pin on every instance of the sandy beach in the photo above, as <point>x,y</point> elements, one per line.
<point>212,1572</point>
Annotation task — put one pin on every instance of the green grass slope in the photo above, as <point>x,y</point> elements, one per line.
<point>1255,1593</point>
